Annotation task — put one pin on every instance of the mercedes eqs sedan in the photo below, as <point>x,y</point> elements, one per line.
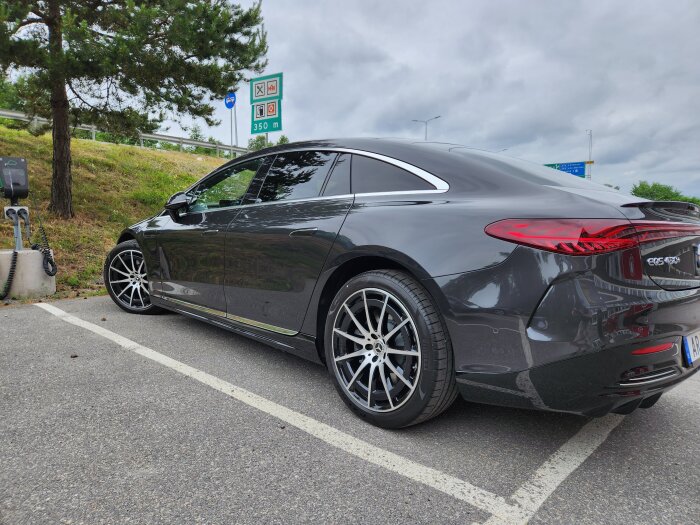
<point>417,271</point>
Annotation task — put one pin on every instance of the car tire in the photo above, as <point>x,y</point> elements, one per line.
<point>388,351</point>
<point>126,279</point>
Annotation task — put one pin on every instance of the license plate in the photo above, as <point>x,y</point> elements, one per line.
<point>691,348</point>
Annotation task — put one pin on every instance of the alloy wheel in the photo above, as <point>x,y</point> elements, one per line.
<point>128,280</point>
<point>376,350</point>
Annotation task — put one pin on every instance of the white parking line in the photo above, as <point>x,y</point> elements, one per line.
<point>455,487</point>
<point>523,504</point>
<point>552,473</point>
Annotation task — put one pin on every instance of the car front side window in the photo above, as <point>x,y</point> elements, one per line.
<point>224,189</point>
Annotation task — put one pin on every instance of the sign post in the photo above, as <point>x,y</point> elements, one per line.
<point>266,104</point>
<point>230,101</point>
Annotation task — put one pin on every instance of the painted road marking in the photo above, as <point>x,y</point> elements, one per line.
<point>450,485</point>
<point>526,501</point>
<point>552,473</point>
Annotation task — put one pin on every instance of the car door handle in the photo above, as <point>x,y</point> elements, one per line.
<point>210,232</point>
<point>303,231</point>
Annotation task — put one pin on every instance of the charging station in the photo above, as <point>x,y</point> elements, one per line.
<point>23,272</point>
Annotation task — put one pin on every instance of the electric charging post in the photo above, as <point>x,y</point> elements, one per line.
<point>35,275</point>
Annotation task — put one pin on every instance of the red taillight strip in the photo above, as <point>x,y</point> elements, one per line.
<point>653,349</point>
<point>587,236</point>
<point>567,236</point>
<point>657,231</point>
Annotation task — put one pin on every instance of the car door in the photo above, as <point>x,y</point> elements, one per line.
<point>277,246</point>
<point>191,245</point>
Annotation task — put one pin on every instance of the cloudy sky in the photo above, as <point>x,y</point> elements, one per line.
<point>530,76</point>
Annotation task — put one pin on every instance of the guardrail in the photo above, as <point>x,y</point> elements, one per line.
<point>180,141</point>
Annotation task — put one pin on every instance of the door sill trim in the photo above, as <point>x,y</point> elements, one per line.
<point>227,316</point>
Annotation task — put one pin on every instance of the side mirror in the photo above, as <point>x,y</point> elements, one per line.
<point>176,203</point>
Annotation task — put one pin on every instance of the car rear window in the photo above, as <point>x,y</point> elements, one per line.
<point>374,176</point>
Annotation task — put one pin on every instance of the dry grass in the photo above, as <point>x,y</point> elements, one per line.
<point>114,186</point>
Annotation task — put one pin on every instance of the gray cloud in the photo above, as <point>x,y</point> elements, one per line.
<point>527,76</point>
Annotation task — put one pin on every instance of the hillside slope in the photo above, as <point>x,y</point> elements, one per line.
<point>113,186</point>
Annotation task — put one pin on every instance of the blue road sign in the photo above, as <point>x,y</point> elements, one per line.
<point>230,100</point>
<point>575,168</point>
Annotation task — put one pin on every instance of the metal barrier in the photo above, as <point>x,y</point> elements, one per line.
<point>180,141</point>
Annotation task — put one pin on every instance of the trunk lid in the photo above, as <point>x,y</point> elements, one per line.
<point>669,237</point>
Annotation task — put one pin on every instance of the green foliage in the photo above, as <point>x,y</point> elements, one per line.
<point>128,65</point>
<point>125,66</point>
<point>259,142</point>
<point>660,192</point>
<point>9,95</point>
<point>196,133</point>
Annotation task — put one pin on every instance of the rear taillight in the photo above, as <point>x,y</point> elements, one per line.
<point>587,236</point>
<point>568,236</point>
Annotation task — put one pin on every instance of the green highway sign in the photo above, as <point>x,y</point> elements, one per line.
<point>266,117</point>
<point>268,87</point>
<point>266,104</point>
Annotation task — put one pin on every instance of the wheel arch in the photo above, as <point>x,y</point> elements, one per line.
<point>126,235</point>
<point>354,266</point>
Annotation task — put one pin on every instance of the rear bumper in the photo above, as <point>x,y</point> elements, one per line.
<point>611,380</point>
<point>556,333</point>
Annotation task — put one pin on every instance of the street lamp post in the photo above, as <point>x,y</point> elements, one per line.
<point>426,125</point>
<point>590,151</point>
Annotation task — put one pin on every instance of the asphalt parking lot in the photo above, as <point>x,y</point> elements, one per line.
<point>108,417</point>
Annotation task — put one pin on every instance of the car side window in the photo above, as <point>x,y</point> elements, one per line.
<point>372,176</point>
<point>339,180</point>
<point>296,175</point>
<point>224,189</point>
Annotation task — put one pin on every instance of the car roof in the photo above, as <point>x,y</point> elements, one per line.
<point>462,167</point>
<point>431,156</point>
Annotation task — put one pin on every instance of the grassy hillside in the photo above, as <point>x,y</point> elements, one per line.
<point>113,186</point>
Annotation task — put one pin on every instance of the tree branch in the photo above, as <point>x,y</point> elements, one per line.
<point>25,23</point>
<point>77,95</point>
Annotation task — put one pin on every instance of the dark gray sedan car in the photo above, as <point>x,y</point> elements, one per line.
<point>417,271</point>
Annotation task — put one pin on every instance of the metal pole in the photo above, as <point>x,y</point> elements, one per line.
<point>590,151</point>
<point>267,139</point>
<point>425,123</point>
<point>231,121</point>
<point>235,117</point>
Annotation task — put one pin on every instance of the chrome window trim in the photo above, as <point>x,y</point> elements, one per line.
<point>227,316</point>
<point>439,184</point>
<point>320,198</point>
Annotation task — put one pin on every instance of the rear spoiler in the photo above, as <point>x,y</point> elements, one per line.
<point>687,209</point>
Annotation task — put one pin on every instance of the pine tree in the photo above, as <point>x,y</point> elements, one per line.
<point>125,66</point>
